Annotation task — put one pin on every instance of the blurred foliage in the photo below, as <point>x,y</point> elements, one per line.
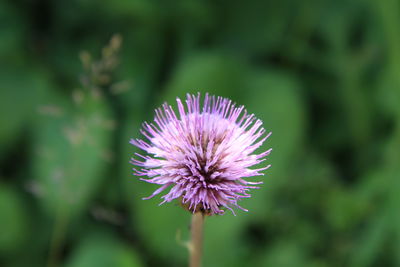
<point>101,250</point>
<point>324,76</point>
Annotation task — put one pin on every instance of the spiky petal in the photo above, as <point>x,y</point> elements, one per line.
<point>203,154</point>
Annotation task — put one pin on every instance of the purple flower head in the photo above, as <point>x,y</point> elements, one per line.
<point>203,154</point>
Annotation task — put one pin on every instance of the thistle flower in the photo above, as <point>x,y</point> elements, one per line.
<point>203,155</point>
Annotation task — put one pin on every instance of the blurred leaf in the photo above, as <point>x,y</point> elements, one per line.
<point>160,226</point>
<point>213,73</point>
<point>284,254</point>
<point>247,28</point>
<point>13,220</point>
<point>346,210</point>
<point>20,91</point>
<point>12,32</point>
<point>101,250</point>
<point>140,69</point>
<point>222,238</point>
<point>275,98</point>
<point>383,224</point>
<point>371,240</point>
<point>71,154</point>
<point>138,9</point>
<point>388,94</point>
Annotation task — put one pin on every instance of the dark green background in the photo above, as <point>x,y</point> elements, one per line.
<point>324,76</point>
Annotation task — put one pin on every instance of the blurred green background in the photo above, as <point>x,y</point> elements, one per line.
<point>324,76</point>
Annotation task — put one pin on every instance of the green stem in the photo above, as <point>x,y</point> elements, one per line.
<point>196,244</point>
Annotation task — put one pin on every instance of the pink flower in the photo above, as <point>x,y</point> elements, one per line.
<point>203,155</point>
